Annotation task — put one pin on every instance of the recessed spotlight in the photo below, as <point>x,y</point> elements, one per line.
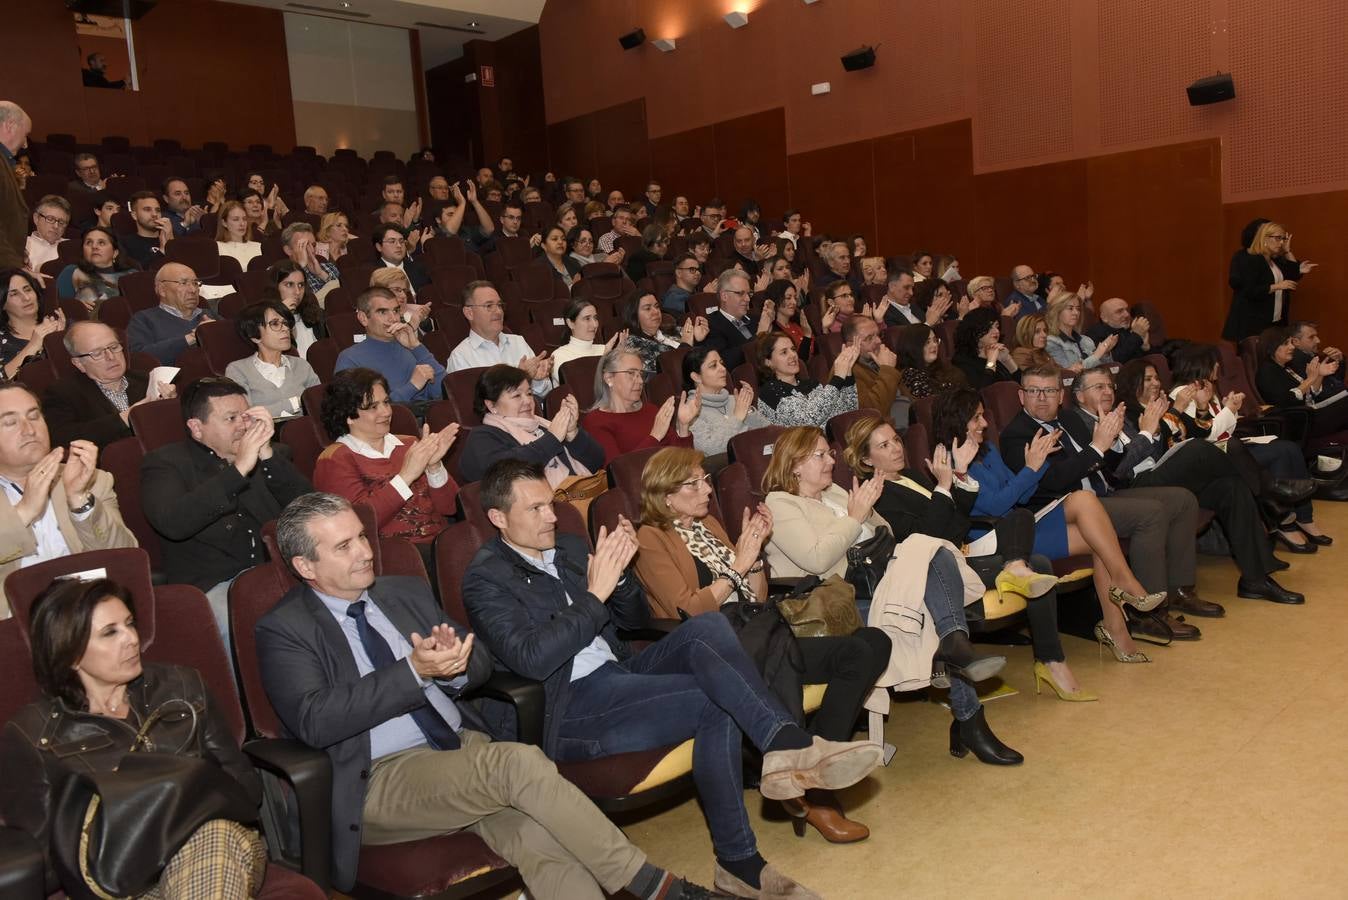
<point>736,19</point>
<point>472,24</point>
<point>664,44</point>
<point>344,5</point>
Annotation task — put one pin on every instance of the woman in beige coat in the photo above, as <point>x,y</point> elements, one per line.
<point>815,522</point>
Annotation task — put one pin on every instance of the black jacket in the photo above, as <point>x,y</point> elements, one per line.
<point>75,409</point>
<point>47,738</point>
<point>725,338</point>
<point>209,516</point>
<point>522,614</point>
<point>1066,467</point>
<point>1118,465</point>
<point>908,512</point>
<point>312,681</point>
<point>487,444</point>
<point>1129,344</point>
<point>977,373</point>
<point>1251,303</point>
<point>413,269</point>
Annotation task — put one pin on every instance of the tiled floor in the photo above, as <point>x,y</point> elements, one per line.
<point>1213,772</point>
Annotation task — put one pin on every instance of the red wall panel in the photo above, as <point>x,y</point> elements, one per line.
<point>1035,216</point>
<point>924,191</point>
<point>751,161</point>
<point>685,163</point>
<point>834,189</point>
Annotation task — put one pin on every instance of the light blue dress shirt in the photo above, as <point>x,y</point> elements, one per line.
<point>597,652</point>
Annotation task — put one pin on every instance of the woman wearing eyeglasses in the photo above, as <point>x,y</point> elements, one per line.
<point>815,522</point>
<point>654,246</point>
<point>1279,383</point>
<point>621,421</point>
<point>688,565</point>
<point>1263,280</point>
<point>271,376</point>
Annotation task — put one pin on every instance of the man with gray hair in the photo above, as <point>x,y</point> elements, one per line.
<point>88,178</point>
<point>50,220</point>
<point>373,672</point>
<point>838,258</point>
<point>298,243</point>
<point>730,326</point>
<point>14,128</point>
<point>1024,292</point>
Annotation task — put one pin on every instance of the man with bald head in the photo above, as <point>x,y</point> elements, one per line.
<point>95,405</point>
<point>1024,292</point>
<point>171,327</point>
<point>1133,334</point>
<point>14,127</point>
<point>316,200</point>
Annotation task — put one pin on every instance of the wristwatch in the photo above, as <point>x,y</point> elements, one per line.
<point>88,505</point>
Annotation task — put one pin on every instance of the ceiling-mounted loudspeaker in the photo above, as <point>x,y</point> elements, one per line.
<point>633,39</point>
<point>861,58</point>
<point>1213,89</point>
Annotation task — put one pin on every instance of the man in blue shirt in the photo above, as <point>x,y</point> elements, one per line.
<point>178,207</point>
<point>393,349</point>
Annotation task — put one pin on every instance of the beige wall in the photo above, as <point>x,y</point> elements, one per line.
<point>328,126</point>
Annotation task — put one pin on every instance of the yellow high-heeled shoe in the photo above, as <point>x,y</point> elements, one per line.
<point>1031,586</point>
<point>1107,640</point>
<point>1080,695</point>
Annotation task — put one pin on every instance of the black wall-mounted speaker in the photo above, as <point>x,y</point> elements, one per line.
<point>633,39</point>
<point>861,58</point>
<point>1213,89</point>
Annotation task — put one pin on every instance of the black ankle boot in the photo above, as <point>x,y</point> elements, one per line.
<point>974,734</point>
<point>957,653</point>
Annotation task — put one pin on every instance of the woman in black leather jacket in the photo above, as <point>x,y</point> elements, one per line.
<point>97,697</point>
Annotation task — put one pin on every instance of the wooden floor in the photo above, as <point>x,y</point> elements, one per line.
<point>1216,771</point>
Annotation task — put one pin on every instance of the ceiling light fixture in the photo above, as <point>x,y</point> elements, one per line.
<point>736,19</point>
<point>472,24</point>
<point>664,45</point>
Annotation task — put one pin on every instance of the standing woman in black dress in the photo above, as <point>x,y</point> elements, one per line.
<point>1262,279</point>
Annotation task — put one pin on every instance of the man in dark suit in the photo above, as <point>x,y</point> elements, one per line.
<point>1159,522</point>
<point>730,328</point>
<point>391,245</point>
<point>95,405</point>
<point>209,496</point>
<point>411,759</point>
<point>1198,467</point>
<point>551,611</point>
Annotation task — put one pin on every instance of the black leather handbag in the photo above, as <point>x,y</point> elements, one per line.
<point>113,832</point>
<point>867,561</point>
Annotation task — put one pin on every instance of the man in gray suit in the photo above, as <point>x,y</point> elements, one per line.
<point>373,672</point>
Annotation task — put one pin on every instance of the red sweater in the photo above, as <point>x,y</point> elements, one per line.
<point>620,433</point>
<point>342,471</point>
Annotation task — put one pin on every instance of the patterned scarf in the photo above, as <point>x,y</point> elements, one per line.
<point>712,552</point>
<point>526,430</point>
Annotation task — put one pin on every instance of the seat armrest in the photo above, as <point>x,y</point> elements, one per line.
<point>309,774</point>
<point>986,522</point>
<point>22,868</point>
<point>526,696</point>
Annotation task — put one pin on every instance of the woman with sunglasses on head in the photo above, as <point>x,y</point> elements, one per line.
<point>287,283</point>
<point>815,522</point>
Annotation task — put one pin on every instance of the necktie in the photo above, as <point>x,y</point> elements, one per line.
<point>438,733</point>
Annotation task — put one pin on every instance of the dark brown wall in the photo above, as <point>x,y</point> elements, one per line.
<point>208,71</point>
<point>452,103</point>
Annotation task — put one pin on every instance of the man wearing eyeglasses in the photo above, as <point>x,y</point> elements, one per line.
<point>730,327</point>
<point>95,405</point>
<point>392,248</point>
<point>89,179</point>
<point>1024,293</point>
<point>171,327</point>
<point>488,344</point>
<point>687,274</point>
<point>50,220</point>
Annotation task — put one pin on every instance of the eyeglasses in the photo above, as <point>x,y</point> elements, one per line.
<point>393,242</point>
<point>1041,392</point>
<point>181,282</point>
<point>640,373</point>
<point>101,353</point>
<point>695,482</point>
<point>1028,278</point>
<point>491,306</point>
<point>277,325</point>
<point>53,220</point>
<point>735,293</point>
<point>689,269</point>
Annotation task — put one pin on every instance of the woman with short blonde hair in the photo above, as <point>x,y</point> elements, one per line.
<point>334,234</point>
<point>1069,348</point>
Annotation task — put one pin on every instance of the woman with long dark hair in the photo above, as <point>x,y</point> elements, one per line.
<point>923,372</point>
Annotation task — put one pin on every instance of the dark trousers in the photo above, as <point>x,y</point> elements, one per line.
<point>850,666</point>
<point>696,682</point>
<point>1015,540</point>
<point>1283,459</point>
<point>1159,523</point>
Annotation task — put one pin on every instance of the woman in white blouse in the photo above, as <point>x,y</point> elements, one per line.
<point>582,320</point>
<point>234,234</point>
<point>272,377</point>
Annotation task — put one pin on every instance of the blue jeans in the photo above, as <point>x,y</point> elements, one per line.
<point>944,598</point>
<point>695,683</point>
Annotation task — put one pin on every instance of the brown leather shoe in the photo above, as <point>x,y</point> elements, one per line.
<point>775,886</point>
<point>1152,628</point>
<point>822,810</point>
<point>1181,630</point>
<point>1186,600</point>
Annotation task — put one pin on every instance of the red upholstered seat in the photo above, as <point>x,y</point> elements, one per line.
<point>753,448</point>
<point>221,343</point>
<point>158,423</point>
